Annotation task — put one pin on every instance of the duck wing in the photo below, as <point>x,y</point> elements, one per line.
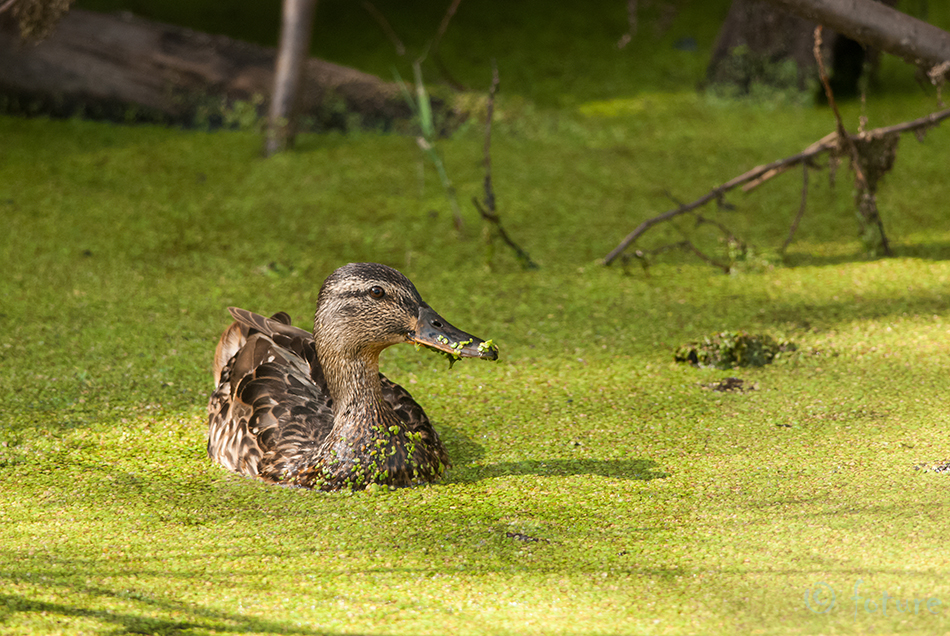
<point>271,403</point>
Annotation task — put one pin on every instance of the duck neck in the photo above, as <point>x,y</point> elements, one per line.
<point>354,385</point>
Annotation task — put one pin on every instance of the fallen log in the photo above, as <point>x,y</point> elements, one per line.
<point>877,25</point>
<point>125,68</point>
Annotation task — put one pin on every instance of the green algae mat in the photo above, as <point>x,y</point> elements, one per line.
<point>599,486</point>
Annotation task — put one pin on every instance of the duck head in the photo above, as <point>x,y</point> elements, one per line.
<point>364,308</point>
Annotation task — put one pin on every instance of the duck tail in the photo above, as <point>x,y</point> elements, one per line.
<point>229,344</point>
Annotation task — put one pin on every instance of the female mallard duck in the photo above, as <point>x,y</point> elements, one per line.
<point>313,410</point>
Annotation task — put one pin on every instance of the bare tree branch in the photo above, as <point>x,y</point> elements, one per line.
<point>825,143</point>
<point>666,216</point>
<point>843,138</point>
<point>685,244</point>
<point>757,175</point>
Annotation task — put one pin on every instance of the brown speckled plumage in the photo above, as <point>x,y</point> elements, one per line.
<point>312,410</point>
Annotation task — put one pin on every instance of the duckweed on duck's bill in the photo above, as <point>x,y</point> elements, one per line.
<point>312,410</point>
<point>487,350</point>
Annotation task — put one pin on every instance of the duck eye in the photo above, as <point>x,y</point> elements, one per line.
<point>376,291</point>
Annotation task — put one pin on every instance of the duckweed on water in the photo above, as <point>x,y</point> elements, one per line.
<point>669,509</point>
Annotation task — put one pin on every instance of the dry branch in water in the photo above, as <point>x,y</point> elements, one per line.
<point>871,153</point>
<point>865,180</point>
<point>759,174</point>
<point>801,209</point>
<point>487,211</point>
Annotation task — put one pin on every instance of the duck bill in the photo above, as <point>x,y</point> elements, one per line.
<point>435,332</point>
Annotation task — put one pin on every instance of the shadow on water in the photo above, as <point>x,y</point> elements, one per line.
<point>466,454</point>
<point>195,620</point>
<point>632,469</point>
<point>934,251</point>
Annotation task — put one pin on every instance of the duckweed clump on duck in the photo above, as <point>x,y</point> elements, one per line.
<point>730,349</point>
<point>388,458</point>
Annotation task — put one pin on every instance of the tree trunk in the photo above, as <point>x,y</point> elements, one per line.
<point>754,42</point>
<point>123,68</point>
<point>761,43</point>
<point>296,28</point>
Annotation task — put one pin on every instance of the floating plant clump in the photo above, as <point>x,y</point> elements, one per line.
<point>731,349</point>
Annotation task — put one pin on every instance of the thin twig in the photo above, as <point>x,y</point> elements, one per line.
<point>825,143</point>
<point>385,26</point>
<point>801,210</point>
<point>666,216</point>
<point>6,5</point>
<point>844,139</point>
<point>685,244</point>
<point>688,244</point>
<point>522,255</point>
<point>489,116</point>
<point>488,211</point>
<point>444,25</point>
<point>701,220</point>
<point>927,121</point>
<point>434,47</point>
